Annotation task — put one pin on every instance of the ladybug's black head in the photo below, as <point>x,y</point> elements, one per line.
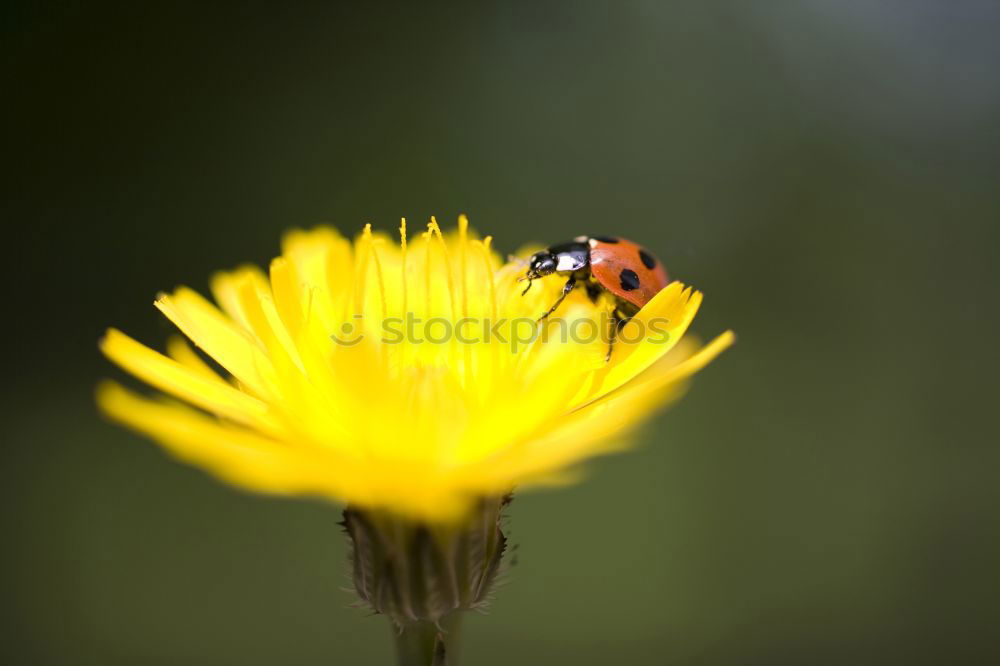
<point>541,264</point>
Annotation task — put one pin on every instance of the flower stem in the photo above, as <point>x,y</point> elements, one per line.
<point>424,643</point>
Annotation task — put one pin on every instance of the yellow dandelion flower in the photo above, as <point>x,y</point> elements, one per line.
<point>405,376</point>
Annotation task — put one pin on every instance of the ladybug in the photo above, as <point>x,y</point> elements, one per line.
<point>630,274</point>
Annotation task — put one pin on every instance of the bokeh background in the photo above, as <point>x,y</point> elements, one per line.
<point>827,172</point>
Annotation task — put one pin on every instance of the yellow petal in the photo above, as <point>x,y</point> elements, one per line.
<point>647,337</point>
<point>179,350</point>
<point>166,374</point>
<point>236,455</point>
<point>219,337</point>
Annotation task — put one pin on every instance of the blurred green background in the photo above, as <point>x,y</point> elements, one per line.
<point>827,172</point>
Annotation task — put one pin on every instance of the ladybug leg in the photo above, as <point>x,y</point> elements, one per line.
<point>526,288</point>
<point>594,291</point>
<point>612,334</point>
<point>618,320</point>
<point>568,287</point>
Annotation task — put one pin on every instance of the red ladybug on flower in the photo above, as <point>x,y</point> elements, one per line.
<point>626,271</point>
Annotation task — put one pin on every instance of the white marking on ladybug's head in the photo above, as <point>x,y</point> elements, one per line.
<point>567,262</point>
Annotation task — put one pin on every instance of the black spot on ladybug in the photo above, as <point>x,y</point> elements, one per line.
<point>605,239</point>
<point>648,260</point>
<point>629,279</point>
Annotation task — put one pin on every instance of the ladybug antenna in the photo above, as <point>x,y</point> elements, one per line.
<point>522,278</point>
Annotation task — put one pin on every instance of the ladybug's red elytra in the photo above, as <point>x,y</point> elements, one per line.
<point>602,264</point>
